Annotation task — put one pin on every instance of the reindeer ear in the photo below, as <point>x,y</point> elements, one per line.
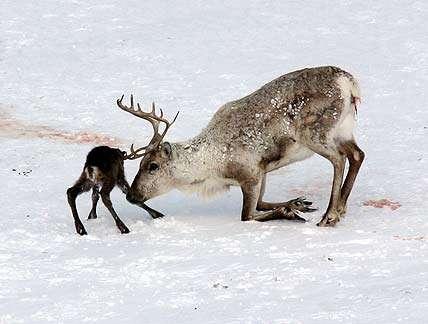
<point>167,149</point>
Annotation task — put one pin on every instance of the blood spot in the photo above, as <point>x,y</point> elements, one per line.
<point>382,203</point>
<point>11,127</point>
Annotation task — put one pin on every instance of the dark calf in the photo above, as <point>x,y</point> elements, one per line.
<point>103,171</point>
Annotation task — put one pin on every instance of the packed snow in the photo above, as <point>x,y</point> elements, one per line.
<point>62,66</point>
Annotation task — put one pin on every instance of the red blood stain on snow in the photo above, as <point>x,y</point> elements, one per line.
<point>383,203</point>
<point>13,128</point>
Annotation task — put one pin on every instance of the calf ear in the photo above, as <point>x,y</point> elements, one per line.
<point>167,149</point>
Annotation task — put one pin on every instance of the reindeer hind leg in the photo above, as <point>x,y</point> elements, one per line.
<point>251,191</point>
<point>298,204</point>
<point>123,185</point>
<point>105,197</point>
<point>95,198</point>
<point>355,158</point>
<point>337,159</point>
<point>82,185</point>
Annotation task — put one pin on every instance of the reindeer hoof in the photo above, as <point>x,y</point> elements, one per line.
<point>329,220</point>
<point>123,229</point>
<point>92,215</point>
<point>80,229</point>
<point>156,214</point>
<point>342,210</point>
<point>291,214</point>
<point>280,213</point>
<point>299,219</point>
<point>301,204</point>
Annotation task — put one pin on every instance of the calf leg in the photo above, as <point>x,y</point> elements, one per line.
<point>105,197</point>
<point>82,185</point>
<point>151,211</point>
<point>124,186</point>
<point>95,198</point>
<point>251,191</point>
<point>355,157</point>
<point>299,204</point>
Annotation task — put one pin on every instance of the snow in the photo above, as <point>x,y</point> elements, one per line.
<point>63,65</point>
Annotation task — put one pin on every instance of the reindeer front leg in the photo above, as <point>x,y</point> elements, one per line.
<point>251,191</point>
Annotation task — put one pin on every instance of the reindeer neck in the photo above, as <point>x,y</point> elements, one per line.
<point>197,158</point>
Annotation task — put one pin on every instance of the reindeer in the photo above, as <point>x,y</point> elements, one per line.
<point>103,169</point>
<point>287,120</point>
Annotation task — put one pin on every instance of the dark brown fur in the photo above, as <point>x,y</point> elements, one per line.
<point>103,171</point>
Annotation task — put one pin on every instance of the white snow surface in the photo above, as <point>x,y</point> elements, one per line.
<point>64,63</point>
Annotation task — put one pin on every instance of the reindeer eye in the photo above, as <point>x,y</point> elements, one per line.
<point>153,166</point>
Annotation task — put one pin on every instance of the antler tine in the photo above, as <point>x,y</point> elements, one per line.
<point>136,112</point>
<point>138,150</point>
<point>124,107</point>
<point>134,153</point>
<point>154,120</point>
<point>167,126</point>
<point>119,102</point>
<point>176,115</point>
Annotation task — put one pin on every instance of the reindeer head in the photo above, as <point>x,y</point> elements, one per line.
<point>156,173</point>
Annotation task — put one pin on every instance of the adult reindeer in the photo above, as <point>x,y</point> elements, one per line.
<point>287,120</point>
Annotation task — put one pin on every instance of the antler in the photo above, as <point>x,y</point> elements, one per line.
<point>154,120</point>
<point>134,153</point>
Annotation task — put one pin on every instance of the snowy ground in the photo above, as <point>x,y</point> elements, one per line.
<point>63,64</point>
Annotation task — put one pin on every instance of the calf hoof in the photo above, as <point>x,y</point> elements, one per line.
<point>80,229</point>
<point>92,215</point>
<point>155,214</point>
<point>122,228</point>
